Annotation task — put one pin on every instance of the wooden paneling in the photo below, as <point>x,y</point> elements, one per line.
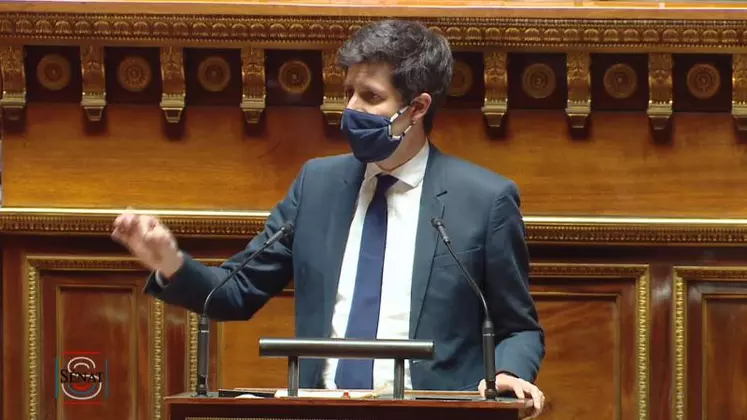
<point>636,328</point>
<point>605,307</point>
<point>217,166</point>
<point>90,308</point>
<point>240,364</point>
<point>710,312</point>
<point>612,314</point>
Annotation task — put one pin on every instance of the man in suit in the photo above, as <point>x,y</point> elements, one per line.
<point>366,260</point>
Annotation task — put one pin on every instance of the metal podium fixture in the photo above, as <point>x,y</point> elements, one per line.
<point>295,348</point>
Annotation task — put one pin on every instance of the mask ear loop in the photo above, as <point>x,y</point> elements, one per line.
<point>393,118</point>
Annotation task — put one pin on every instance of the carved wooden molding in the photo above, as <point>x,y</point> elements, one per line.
<point>253,81</point>
<point>624,32</point>
<point>578,106</point>
<point>14,81</point>
<point>174,87</point>
<point>496,87</point>
<point>570,230</point>
<point>93,98</point>
<point>739,91</point>
<point>660,89</point>
<point>333,103</point>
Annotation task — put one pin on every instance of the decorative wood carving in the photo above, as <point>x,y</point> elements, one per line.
<point>587,230</point>
<point>333,103</point>
<point>214,73</point>
<point>496,87</point>
<point>660,89</point>
<point>134,73</point>
<point>294,77</point>
<point>92,69</point>
<point>739,91</point>
<point>579,89</point>
<point>625,31</point>
<point>54,72</point>
<point>538,81</point>
<point>174,88</point>
<point>14,81</point>
<point>253,80</point>
<point>620,81</point>
<point>703,80</point>
<point>461,80</point>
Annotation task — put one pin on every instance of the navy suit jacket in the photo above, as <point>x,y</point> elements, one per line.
<point>481,212</point>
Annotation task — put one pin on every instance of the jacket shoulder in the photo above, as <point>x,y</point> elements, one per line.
<point>463,173</point>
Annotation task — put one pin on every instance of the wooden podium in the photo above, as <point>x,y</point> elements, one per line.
<point>417,405</point>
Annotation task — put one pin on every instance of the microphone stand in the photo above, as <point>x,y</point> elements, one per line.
<point>488,332</point>
<point>203,333</point>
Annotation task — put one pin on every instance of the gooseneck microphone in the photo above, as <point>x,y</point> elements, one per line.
<point>203,335</point>
<point>488,333</point>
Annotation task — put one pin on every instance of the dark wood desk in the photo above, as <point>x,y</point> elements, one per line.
<point>185,407</point>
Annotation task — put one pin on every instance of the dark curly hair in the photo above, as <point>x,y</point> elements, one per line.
<point>421,59</point>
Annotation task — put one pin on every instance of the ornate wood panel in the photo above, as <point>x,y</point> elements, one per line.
<point>78,308</point>
<point>710,367</point>
<point>614,274</point>
<point>596,319</point>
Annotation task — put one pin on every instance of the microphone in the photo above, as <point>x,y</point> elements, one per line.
<point>203,334</point>
<point>488,333</point>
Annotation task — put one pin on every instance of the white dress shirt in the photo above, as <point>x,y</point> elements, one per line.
<point>403,209</point>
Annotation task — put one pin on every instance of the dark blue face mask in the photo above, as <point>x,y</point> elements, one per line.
<point>370,136</point>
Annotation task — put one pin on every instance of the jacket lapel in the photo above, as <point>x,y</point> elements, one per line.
<point>343,201</point>
<point>431,205</point>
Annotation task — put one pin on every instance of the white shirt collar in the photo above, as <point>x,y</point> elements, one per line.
<point>410,173</point>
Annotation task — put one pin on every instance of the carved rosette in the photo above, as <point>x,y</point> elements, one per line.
<point>294,77</point>
<point>703,81</point>
<point>174,88</point>
<point>93,99</point>
<point>496,87</point>
<point>579,89</point>
<point>538,81</point>
<point>134,74</point>
<point>214,74</point>
<point>14,81</point>
<point>739,91</point>
<point>53,72</point>
<point>253,83</point>
<point>660,89</point>
<point>620,81</point>
<point>461,80</point>
<point>333,76</point>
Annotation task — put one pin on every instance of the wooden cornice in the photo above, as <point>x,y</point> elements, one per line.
<point>560,26</point>
<point>540,229</point>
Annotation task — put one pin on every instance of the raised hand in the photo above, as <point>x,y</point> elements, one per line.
<point>149,240</point>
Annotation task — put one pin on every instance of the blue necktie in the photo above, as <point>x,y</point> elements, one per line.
<point>363,322</point>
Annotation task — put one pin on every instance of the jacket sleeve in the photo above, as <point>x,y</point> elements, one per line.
<point>258,281</point>
<point>520,345</point>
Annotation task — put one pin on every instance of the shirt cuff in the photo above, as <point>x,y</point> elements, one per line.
<point>162,283</point>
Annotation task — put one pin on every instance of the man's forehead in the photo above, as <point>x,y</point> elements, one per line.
<point>376,74</point>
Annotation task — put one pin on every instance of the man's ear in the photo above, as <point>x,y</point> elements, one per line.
<point>420,106</point>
